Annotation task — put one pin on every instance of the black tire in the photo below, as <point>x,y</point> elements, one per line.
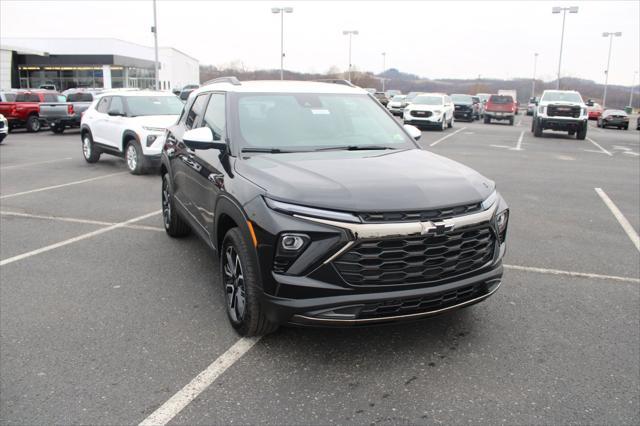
<point>242,301</point>
<point>537,129</point>
<point>626,127</point>
<point>487,119</point>
<point>511,120</point>
<point>450,124</point>
<point>174,225</point>
<point>582,132</point>
<point>90,152</point>
<point>33,124</point>
<point>133,157</point>
<point>443,125</point>
<point>57,128</point>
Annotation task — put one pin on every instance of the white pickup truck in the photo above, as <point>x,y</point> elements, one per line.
<point>562,110</point>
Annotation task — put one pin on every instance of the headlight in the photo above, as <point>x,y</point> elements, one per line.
<point>490,200</point>
<point>437,111</point>
<point>540,109</point>
<point>154,129</point>
<point>151,139</point>
<point>501,222</point>
<point>294,209</point>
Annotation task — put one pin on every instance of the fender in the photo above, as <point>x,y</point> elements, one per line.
<point>225,205</point>
<point>126,135</point>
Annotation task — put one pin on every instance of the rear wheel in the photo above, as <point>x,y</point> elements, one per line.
<point>511,121</point>
<point>537,128</point>
<point>626,127</point>
<point>174,225</point>
<point>57,128</point>
<point>33,124</point>
<point>487,119</point>
<point>90,153</point>
<point>239,277</point>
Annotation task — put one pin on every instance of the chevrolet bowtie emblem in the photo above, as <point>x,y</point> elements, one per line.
<point>436,228</point>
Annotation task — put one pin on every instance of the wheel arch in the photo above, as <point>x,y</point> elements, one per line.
<point>127,136</point>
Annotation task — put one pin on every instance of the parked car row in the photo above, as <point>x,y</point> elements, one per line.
<point>22,108</point>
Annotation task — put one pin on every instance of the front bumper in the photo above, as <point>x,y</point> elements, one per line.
<point>562,123</point>
<point>499,115</point>
<point>463,114</point>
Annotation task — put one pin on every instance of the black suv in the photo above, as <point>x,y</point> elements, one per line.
<point>466,107</point>
<point>324,210</point>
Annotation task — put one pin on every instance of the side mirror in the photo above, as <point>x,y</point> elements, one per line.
<point>413,131</point>
<point>202,138</point>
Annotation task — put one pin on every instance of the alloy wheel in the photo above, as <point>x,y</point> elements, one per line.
<point>86,147</point>
<point>166,204</point>
<point>132,157</point>
<point>234,284</point>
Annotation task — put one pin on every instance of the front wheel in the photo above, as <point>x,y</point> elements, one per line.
<point>90,153</point>
<point>537,128</point>
<point>239,277</point>
<point>450,125</point>
<point>511,121</point>
<point>57,128</point>
<point>582,132</point>
<point>134,158</point>
<point>33,124</point>
<point>487,119</point>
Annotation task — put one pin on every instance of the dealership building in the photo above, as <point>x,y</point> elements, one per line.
<point>91,62</point>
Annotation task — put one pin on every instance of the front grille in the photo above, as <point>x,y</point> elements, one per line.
<point>424,215</point>
<point>417,260</point>
<point>563,111</point>
<point>421,113</point>
<point>422,304</point>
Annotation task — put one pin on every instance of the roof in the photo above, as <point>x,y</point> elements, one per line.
<point>137,93</point>
<point>281,86</point>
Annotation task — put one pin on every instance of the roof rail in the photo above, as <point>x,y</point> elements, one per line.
<point>231,79</point>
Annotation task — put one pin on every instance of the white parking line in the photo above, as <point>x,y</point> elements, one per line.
<point>519,123</point>
<point>599,147</point>
<point>202,381</point>
<point>519,145</point>
<point>46,188</point>
<point>76,239</point>
<point>571,273</point>
<point>448,136</point>
<point>15,166</point>
<point>76,220</point>
<point>631,233</point>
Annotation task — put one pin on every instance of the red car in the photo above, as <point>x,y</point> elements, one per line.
<point>594,110</point>
<point>24,111</point>
<point>500,107</point>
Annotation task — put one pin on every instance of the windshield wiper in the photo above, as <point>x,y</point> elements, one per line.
<point>267,150</point>
<point>355,148</point>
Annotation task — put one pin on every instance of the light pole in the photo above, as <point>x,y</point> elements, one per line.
<point>154,30</point>
<point>350,33</point>
<point>384,65</point>
<point>633,82</point>
<point>281,11</point>
<point>606,72</point>
<point>572,9</point>
<point>533,81</point>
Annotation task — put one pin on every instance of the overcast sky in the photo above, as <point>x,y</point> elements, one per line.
<point>434,39</point>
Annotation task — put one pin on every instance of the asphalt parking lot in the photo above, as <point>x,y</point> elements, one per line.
<point>103,318</point>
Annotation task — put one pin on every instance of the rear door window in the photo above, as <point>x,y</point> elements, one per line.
<point>103,104</point>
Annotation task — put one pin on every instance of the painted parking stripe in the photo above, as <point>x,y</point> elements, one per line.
<point>519,145</point>
<point>448,136</point>
<point>631,233</point>
<point>76,239</point>
<point>599,147</point>
<point>15,166</point>
<point>47,188</point>
<point>201,382</point>
<point>571,273</point>
<point>76,220</point>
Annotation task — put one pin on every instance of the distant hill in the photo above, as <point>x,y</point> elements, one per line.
<point>617,96</point>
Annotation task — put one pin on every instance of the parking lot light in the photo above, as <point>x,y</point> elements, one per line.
<point>281,11</point>
<point>350,33</point>
<point>606,72</point>
<point>533,80</point>
<point>564,10</point>
<point>633,82</point>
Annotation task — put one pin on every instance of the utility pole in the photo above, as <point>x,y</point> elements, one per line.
<point>572,9</point>
<point>633,82</point>
<point>606,72</point>
<point>384,65</point>
<point>154,30</point>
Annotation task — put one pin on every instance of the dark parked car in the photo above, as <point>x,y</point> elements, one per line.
<point>465,108</point>
<point>638,123</point>
<point>381,97</point>
<point>324,210</point>
<point>614,118</point>
<point>186,91</point>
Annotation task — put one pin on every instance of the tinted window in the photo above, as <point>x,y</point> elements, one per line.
<point>462,99</point>
<point>197,108</point>
<point>116,105</point>
<point>79,97</point>
<point>561,97</point>
<point>214,116</point>
<point>102,104</point>
<point>27,97</point>
<point>51,97</point>
<point>307,121</point>
<point>154,105</point>
<point>501,99</point>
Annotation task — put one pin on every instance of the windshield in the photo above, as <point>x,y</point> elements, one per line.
<point>428,100</point>
<point>501,99</point>
<point>79,97</point>
<point>461,99</point>
<point>308,121</point>
<point>398,98</point>
<point>561,97</point>
<point>154,105</point>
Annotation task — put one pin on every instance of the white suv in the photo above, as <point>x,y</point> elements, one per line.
<point>562,110</point>
<point>430,110</point>
<point>130,125</point>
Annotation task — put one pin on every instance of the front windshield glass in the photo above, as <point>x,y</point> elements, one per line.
<point>308,121</point>
<point>461,99</point>
<point>398,98</point>
<point>154,105</point>
<point>561,97</point>
<point>428,100</point>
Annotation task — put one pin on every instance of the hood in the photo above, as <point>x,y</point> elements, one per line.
<point>366,181</point>
<point>163,121</point>
<point>423,107</point>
